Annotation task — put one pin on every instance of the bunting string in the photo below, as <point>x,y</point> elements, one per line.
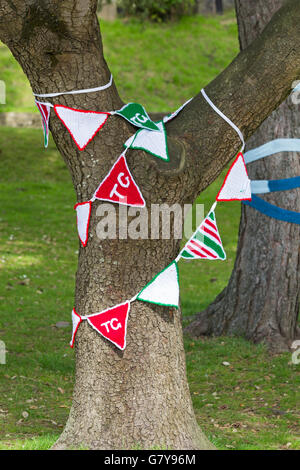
<point>271,148</point>
<point>205,243</point>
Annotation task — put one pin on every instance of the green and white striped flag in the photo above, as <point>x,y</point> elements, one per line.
<point>206,242</point>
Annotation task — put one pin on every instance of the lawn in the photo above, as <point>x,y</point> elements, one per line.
<point>250,403</point>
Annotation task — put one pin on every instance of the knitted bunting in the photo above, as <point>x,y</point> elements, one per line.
<point>163,289</point>
<point>206,242</point>
<point>153,142</point>
<point>137,115</point>
<point>82,125</point>
<point>44,109</point>
<point>236,186</point>
<point>76,320</point>
<point>119,186</point>
<point>83,210</point>
<point>112,324</point>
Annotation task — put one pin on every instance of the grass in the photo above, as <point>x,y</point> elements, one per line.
<point>250,403</point>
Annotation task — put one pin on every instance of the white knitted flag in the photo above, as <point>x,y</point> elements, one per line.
<point>83,210</point>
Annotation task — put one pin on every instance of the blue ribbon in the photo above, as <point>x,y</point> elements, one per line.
<point>273,211</point>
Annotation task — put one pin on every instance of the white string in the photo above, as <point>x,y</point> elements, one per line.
<point>76,92</point>
<point>224,117</point>
<point>94,198</point>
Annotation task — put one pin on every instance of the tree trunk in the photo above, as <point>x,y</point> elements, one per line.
<point>138,397</point>
<point>261,300</point>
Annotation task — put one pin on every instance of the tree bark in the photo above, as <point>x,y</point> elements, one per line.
<point>139,397</point>
<point>261,300</point>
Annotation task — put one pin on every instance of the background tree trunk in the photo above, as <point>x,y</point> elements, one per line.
<point>138,397</point>
<point>219,6</point>
<point>261,301</point>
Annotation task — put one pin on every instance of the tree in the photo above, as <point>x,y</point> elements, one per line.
<point>261,300</point>
<point>219,6</point>
<point>139,396</point>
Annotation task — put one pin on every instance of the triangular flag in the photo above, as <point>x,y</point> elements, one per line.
<point>173,115</point>
<point>83,210</point>
<point>237,185</point>
<point>119,186</point>
<point>163,289</point>
<point>76,320</point>
<point>112,324</point>
<point>82,125</point>
<point>206,242</point>
<point>154,142</point>
<point>137,115</point>
<point>44,109</point>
